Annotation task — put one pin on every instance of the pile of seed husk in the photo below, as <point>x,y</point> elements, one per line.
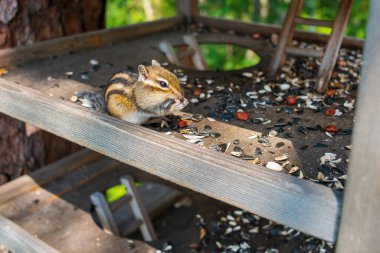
<point>275,108</point>
<point>241,98</point>
<point>243,232</point>
<point>235,230</point>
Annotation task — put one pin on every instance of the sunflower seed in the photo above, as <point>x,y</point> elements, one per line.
<point>274,166</point>
<point>293,169</point>
<point>281,158</point>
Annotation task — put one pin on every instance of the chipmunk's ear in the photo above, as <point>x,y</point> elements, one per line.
<point>155,63</point>
<point>143,71</point>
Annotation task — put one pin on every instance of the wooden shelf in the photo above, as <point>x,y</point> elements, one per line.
<point>29,95</point>
<point>53,204</point>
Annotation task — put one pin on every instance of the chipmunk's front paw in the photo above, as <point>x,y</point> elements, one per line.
<point>180,104</point>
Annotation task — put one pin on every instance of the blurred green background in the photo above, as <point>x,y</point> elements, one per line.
<point>124,12</point>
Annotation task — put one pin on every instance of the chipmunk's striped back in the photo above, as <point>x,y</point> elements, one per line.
<point>118,83</point>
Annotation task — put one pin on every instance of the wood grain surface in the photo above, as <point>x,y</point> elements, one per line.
<point>311,208</point>
<point>85,40</point>
<point>360,225</point>
<point>58,211</point>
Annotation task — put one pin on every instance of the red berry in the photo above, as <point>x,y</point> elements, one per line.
<point>330,93</point>
<point>330,112</point>
<point>290,100</point>
<point>182,123</point>
<point>331,129</point>
<point>197,92</point>
<point>241,116</point>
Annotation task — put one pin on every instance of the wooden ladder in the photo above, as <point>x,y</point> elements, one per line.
<point>104,211</point>
<point>330,54</point>
<point>189,54</point>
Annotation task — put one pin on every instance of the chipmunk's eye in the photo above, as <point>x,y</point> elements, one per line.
<point>163,84</point>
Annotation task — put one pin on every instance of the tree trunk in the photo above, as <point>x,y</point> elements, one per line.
<point>25,22</point>
<point>24,148</point>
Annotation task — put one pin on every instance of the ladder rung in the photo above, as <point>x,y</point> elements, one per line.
<point>313,22</point>
<point>131,228</point>
<point>303,52</point>
<point>120,202</point>
<point>188,53</point>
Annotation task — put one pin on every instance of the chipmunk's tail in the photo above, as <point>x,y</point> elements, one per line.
<point>92,99</point>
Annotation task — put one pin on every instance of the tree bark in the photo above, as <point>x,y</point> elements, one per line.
<point>25,22</point>
<point>24,148</point>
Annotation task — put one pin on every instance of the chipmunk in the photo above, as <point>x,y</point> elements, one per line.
<point>136,98</point>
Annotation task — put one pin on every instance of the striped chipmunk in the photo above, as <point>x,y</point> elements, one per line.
<point>136,98</point>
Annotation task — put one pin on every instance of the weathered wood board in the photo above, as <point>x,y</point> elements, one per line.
<point>54,205</point>
<point>253,188</point>
<point>360,227</point>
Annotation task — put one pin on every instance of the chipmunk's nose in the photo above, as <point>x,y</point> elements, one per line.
<point>181,96</point>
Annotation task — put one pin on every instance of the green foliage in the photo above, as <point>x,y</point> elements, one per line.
<point>274,11</point>
<point>125,12</point>
<point>228,57</point>
<point>228,9</point>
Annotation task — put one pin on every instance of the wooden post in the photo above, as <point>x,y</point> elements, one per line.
<point>138,209</point>
<point>333,46</point>
<point>197,57</point>
<point>104,213</point>
<point>285,37</point>
<point>188,8</point>
<point>360,223</point>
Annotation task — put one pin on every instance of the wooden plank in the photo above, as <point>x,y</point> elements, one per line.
<point>249,28</point>
<point>311,208</point>
<point>120,202</point>
<point>93,39</point>
<point>285,38</point>
<point>169,52</point>
<point>304,52</point>
<point>198,60</point>
<point>59,213</point>
<point>132,227</point>
<point>186,53</point>
<point>313,22</point>
<point>188,8</point>
<point>17,239</point>
<point>138,209</point>
<point>47,174</point>
<point>333,46</point>
<point>104,213</point>
<point>360,225</point>
<point>156,199</point>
